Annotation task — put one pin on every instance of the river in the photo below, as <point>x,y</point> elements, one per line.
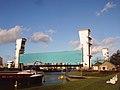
<point>49,78</point>
<point>52,78</point>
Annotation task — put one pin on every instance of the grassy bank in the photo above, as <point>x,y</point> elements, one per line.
<point>84,84</point>
<point>92,74</point>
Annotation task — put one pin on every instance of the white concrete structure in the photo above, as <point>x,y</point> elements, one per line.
<point>9,64</point>
<point>20,47</point>
<point>105,54</point>
<point>85,41</point>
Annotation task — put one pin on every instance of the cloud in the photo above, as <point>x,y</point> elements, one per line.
<point>51,31</point>
<point>97,46</point>
<point>74,43</point>
<point>95,42</point>
<point>78,48</point>
<point>97,13</point>
<point>96,49</point>
<point>111,40</point>
<point>10,35</point>
<point>38,37</point>
<point>108,6</point>
<point>109,43</point>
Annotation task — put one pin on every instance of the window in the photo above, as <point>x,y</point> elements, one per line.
<point>103,68</point>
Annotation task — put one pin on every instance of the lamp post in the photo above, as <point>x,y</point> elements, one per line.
<point>82,60</point>
<point>81,69</point>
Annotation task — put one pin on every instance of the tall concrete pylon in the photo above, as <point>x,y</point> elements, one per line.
<point>85,41</point>
<point>105,54</point>
<point>20,48</point>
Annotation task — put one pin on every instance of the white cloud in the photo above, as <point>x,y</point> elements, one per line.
<point>10,35</point>
<point>109,43</point>
<point>96,49</point>
<point>97,13</point>
<point>95,42</point>
<point>51,31</point>
<point>108,6</point>
<point>78,48</point>
<point>111,40</point>
<point>40,37</point>
<point>97,46</point>
<point>74,43</point>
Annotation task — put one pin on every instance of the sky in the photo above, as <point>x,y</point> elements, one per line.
<point>53,25</point>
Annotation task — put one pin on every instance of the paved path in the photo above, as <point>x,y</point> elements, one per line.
<point>74,77</point>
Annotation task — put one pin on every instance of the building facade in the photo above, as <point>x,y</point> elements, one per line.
<point>107,66</point>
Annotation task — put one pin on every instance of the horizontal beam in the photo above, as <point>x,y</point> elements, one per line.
<point>57,65</point>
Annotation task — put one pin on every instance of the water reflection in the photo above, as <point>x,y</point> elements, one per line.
<point>52,78</point>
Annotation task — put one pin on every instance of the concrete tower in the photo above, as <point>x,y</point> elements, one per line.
<point>85,41</point>
<point>20,47</point>
<point>105,54</point>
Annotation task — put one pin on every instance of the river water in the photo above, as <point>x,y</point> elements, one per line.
<point>49,78</point>
<point>52,78</point>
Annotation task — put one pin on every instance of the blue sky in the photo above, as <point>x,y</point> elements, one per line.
<point>52,25</point>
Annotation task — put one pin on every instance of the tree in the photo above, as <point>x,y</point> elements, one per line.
<point>115,58</point>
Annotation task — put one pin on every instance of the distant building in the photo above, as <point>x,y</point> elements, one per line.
<point>10,64</point>
<point>105,54</point>
<point>96,66</point>
<point>107,66</point>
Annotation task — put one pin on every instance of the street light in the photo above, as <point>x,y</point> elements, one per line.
<point>81,68</point>
<point>82,60</point>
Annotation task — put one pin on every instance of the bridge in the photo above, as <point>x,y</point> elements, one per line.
<point>53,67</point>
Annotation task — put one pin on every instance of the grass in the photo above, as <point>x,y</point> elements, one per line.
<point>84,84</point>
<point>94,74</point>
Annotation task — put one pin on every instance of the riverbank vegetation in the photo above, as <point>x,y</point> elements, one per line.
<point>84,84</point>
